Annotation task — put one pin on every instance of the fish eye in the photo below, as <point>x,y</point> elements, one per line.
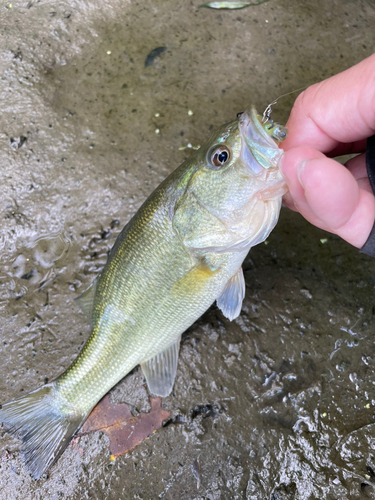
<point>219,156</point>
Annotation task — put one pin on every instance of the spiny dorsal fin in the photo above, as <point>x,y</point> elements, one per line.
<point>86,299</point>
<point>160,371</point>
<point>230,301</point>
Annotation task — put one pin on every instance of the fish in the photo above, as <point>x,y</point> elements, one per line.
<point>181,252</point>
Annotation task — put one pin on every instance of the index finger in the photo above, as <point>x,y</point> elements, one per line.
<point>338,110</point>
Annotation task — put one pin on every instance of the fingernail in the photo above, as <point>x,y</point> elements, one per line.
<point>300,171</point>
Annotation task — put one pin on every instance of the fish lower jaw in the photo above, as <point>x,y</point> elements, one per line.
<point>275,190</point>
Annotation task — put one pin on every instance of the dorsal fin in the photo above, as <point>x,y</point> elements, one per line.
<point>230,301</point>
<point>160,371</point>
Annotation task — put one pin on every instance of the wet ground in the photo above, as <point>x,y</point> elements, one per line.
<point>278,404</point>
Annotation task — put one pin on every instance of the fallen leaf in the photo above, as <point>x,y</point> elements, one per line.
<point>74,443</point>
<point>106,415</point>
<point>230,5</point>
<point>125,432</point>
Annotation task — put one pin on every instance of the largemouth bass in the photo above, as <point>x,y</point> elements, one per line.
<point>181,251</point>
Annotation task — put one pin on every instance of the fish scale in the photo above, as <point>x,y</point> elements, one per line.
<point>181,251</point>
<point>99,357</point>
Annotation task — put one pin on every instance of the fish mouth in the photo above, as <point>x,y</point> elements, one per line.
<point>259,150</point>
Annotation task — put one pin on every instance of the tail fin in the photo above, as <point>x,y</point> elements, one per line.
<point>45,431</point>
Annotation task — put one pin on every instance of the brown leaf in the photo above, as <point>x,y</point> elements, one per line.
<point>105,415</point>
<point>125,432</point>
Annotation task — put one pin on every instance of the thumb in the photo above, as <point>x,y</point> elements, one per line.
<point>328,195</point>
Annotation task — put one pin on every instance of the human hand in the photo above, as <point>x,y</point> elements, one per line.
<point>328,119</point>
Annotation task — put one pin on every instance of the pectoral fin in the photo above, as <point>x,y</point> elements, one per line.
<point>160,371</point>
<point>230,301</point>
<point>86,299</point>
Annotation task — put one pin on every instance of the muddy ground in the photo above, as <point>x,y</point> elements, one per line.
<point>278,404</point>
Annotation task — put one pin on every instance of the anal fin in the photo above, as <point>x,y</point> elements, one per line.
<point>160,371</point>
<point>230,301</point>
